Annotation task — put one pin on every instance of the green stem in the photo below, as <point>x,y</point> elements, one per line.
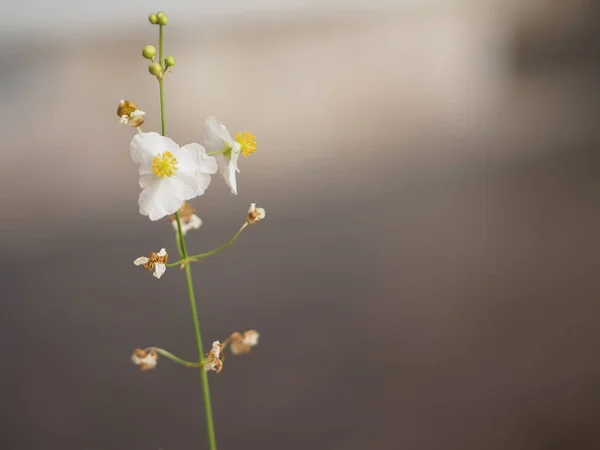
<point>174,358</point>
<point>212,252</point>
<point>210,427</point>
<point>160,80</point>
<point>162,107</point>
<point>220,152</point>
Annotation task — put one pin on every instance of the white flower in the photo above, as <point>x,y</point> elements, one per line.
<point>156,262</point>
<point>212,359</point>
<point>169,174</point>
<point>240,344</point>
<point>255,214</point>
<point>146,360</point>
<point>217,139</point>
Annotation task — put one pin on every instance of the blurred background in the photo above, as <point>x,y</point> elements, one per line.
<point>426,277</point>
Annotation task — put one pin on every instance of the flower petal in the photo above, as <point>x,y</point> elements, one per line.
<point>228,169</point>
<point>194,167</point>
<point>159,270</point>
<point>160,197</point>
<point>195,222</point>
<point>141,260</point>
<point>216,136</point>
<point>194,156</point>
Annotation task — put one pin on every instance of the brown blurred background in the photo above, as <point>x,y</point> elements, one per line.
<point>426,277</point>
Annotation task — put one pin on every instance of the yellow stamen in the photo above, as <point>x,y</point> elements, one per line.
<point>247,141</point>
<point>164,165</point>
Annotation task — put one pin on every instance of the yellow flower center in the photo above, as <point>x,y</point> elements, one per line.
<point>164,165</point>
<point>247,141</point>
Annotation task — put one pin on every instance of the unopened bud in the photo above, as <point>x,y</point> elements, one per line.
<point>169,61</point>
<point>149,51</point>
<point>155,69</point>
<point>162,18</point>
<point>153,19</point>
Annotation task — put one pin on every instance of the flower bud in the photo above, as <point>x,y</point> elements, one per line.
<point>149,51</point>
<point>153,19</point>
<point>169,61</point>
<point>155,69</point>
<point>162,18</point>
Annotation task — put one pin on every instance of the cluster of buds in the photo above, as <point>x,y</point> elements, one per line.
<point>130,114</point>
<point>156,68</point>
<point>160,18</point>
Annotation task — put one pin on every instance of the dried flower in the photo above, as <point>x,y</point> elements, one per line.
<point>189,220</point>
<point>156,262</point>
<point>240,344</point>
<point>169,174</point>
<point>145,359</point>
<point>212,359</point>
<point>218,139</point>
<point>255,214</point>
<point>130,114</point>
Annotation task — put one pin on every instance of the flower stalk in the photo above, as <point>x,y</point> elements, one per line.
<point>186,259</point>
<point>175,358</point>
<point>210,427</point>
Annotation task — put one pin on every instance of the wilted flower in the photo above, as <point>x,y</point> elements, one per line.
<point>218,139</point>
<point>145,359</point>
<point>130,114</point>
<point>212,359</point>
<point>169,174</point>
<point>255,214</point>
<point>240,344</point>
<point>156,262</point>
<point>189,220</point>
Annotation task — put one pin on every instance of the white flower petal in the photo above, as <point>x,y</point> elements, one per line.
<point>216,348</point>
<point>186,186</point>
<point>145,146</point>
<point>251,338</point>
<point>141,260</point>
<point>228,169</point>
<point>195,167</point>
<point>194,155</point>
<point>163,252</point>
<point>159,269</point>
<point>159,198</point>
<point>195,222</point>
<point>216,136</point>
